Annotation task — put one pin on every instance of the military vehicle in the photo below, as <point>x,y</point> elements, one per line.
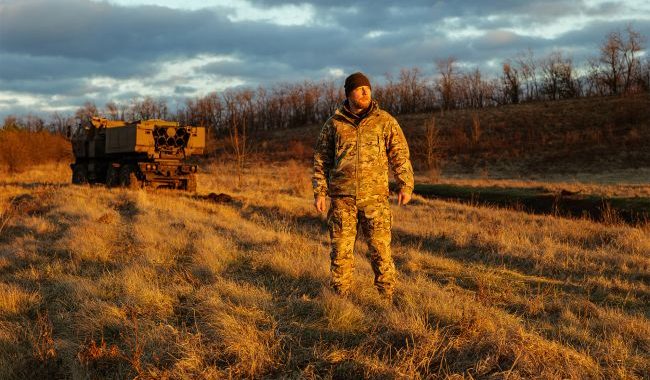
<point>148,153</point>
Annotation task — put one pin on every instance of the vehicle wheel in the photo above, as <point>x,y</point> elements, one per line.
<point>190,185</point>
<point>80,174</point>
<point>128,177</point>
<point>112,176</point>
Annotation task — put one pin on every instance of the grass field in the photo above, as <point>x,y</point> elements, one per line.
<point>109,283</point>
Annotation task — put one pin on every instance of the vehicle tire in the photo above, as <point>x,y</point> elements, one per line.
<point>112,176</point>
<point>190,185</point>
<point>80,174</point>
<point>128,178</point>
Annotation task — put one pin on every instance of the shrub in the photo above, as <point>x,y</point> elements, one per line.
<point>297,150</point>
<point>21,149</point>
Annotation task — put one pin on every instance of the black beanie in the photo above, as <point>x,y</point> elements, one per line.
<point>355,80</point>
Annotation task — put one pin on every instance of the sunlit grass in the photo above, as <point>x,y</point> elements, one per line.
<point>177,286</point>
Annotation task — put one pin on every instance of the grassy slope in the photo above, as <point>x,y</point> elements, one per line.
<point>569,137</point>
<point>99,282</point>
<point>594,139</point>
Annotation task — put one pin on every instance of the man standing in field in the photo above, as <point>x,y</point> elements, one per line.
<point>354,150</point>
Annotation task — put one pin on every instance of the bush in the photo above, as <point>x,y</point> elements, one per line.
<point>21,149</point>
<point>297,150</point>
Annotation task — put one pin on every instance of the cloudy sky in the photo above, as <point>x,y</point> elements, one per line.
<point>57,54</point>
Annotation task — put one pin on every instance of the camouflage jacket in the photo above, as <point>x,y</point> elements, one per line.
<point>353,153</point>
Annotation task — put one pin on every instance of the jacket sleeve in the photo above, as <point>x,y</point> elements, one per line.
<point>399,158</point>
<point>323,159</point>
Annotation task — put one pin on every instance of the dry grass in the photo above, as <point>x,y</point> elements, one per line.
<point>589,185</point>
<point>602,140</point>
<point>101,283</point>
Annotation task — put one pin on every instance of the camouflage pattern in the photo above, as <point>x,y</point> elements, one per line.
<point>374,217</point>
<point>351,162</point>
<point>353,154</point>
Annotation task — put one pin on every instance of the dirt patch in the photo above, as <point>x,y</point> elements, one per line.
<point>216,198</point>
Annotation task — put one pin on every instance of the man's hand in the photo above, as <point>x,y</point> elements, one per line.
<point>403,198</point>
<point>319,203</point>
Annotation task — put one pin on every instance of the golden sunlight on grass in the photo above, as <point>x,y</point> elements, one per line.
<point>98,283</point>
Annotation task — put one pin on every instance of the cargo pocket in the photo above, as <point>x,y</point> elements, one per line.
<point>334,222</point>
<point>374,146</point>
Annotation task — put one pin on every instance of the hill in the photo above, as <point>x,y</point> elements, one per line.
<point>104,283</point>
<point>599,139</point>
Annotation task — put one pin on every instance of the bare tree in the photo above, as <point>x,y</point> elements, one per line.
<point>388,95</point>
<point>644,75</point>
<point>528,70</point>
<point>205,112</point>
<point>311,96</point>
<point>86,112</point>
<point>594,83</point>
<point>558,81</point>
<point>143,109</point>
<point>112,110</point>
<point>61,124</point>
<point>332,97</point>
<point>446,82</point>
<point>411,90</point>
<point>149,108</point>
<point>611,58</point>
<point>633,45</point>
<point>237,129</point>
<point>209,112</point>
<point>618,67</point>
<point>262,107</point>
<point>432,145</point>
<point>124,109</point>
<point>162,110</point>
<point>471,90</point>
<point>33,123</point>
<point>511,83</point>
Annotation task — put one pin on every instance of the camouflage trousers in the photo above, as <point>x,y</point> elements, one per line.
<point>374,217</point>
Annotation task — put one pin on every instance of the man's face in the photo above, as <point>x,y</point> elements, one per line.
<point>360,97</point>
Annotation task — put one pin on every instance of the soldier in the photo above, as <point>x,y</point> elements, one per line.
<point>354,150</point>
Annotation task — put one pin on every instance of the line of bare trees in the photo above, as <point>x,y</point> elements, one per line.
<point>619,68</point>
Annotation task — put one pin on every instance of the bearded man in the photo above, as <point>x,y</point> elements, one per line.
<point>354,151</point>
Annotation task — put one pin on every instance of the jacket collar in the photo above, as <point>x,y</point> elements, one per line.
<point>344,112</point>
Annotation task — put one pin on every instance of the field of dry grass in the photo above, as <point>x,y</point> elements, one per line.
<point>100,282</point>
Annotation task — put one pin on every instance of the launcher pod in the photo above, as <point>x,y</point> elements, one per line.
<point>149,153</point>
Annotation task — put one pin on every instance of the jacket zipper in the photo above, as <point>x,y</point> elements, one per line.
<point>356,170</point>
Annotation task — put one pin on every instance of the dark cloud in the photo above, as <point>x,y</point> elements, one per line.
<point>42,67</point>
<point>64,87</point>
<point>57,47</point>
<point>370,9</point>
<point>100,32</point>
<point>96,31</point>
